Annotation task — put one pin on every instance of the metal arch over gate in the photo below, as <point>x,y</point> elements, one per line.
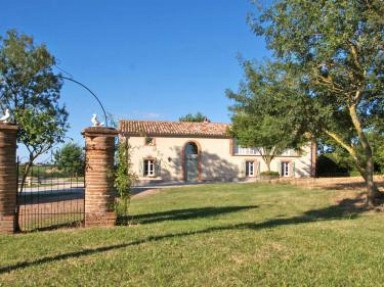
<point>50,197</point>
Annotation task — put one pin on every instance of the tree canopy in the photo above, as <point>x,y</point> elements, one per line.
<point>328,60</point>
<point>31,91</point>
<point>198,117</point>
<point>259,122</point>
<point>70,158</point>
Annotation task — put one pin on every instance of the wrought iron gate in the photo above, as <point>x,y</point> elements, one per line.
<point>49,197</point>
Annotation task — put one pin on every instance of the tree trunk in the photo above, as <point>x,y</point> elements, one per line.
<point>268,160</point>
<point>269,166</point>
<point>373,193</point>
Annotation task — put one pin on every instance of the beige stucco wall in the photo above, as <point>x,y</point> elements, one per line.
<point>217,161</point>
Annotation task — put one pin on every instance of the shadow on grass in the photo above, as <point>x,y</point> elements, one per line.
<point>346,209</point>
<point>189,213</point>
<point>51,227</point>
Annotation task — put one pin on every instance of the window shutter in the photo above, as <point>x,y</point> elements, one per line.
<point>158,168</point>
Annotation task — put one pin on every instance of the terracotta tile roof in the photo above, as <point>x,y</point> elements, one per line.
<point>160,128</point>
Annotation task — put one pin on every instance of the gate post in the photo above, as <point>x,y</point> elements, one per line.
<point>8,177</point>
<point>99,176</point>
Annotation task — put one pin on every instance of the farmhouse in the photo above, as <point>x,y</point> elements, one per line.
<point>193,152</point>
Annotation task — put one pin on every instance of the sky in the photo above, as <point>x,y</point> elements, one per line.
<point>144,59</point>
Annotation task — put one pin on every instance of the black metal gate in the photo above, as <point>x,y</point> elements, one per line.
<point>49,197</point>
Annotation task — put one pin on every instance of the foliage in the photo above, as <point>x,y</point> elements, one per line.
<point>280,235</point>
<point>336,161</point>
<point>377,141</point>
<point>70,158</point>
<point>269,173</point>
<point>260,122</point>
<point>198,117</point>
<point>31,90</point>
<point>124,180</point>
<point>328,62</point>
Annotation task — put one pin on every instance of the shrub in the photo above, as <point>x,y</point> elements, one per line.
<point>269,173</point>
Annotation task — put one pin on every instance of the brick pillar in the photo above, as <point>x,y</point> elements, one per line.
<point>8,177</point>
<point>99,176</point>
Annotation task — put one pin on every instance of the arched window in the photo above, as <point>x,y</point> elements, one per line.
<point>191,149</point>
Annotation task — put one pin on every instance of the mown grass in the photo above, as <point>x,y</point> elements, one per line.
<point>216,235</point>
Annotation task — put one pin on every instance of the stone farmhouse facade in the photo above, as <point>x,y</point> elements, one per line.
<point>196,152</point>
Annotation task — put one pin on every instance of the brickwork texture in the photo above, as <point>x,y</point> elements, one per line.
<point>99,176</point>
<point>8,177</point>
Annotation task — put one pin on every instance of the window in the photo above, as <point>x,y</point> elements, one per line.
<point>149,141</point>
<point>285,168</point>
<point>239,150</point>
<point>149,167</point>
<point>249,168</point>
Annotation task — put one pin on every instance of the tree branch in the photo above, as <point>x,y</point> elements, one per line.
<point>349,148</point>
<point>355,56</point>
<point>357,124</point>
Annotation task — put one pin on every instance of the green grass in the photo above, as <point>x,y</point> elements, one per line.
<point>217,235</point>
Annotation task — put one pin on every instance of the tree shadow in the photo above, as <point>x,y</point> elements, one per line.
<point>212,168</point>
<point>346,209</point>
<point>218,169</point>
<point>189,213</point>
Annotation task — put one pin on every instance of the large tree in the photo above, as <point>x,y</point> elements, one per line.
<point>31,90</point>
<point>331,58</point>
<point>259,122</point>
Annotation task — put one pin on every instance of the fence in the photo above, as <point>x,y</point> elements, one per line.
<point>45,197</point>
<point>49,197</point>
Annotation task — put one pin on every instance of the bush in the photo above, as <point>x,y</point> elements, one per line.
<point>269,173</point>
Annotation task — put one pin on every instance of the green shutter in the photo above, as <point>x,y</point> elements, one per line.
<point>158,168</point>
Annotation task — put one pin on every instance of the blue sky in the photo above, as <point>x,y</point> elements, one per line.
<point>144,59</point>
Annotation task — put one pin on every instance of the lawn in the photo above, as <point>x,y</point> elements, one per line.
<point>212,235</point>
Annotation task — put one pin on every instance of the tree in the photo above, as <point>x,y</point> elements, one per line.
<point>70,158</point>
<point>31,90</point>
<point>198,117</point>
<point>330,60</point>
<point>257,121</point>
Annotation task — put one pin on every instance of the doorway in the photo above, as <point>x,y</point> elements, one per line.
<point>191,162</point>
